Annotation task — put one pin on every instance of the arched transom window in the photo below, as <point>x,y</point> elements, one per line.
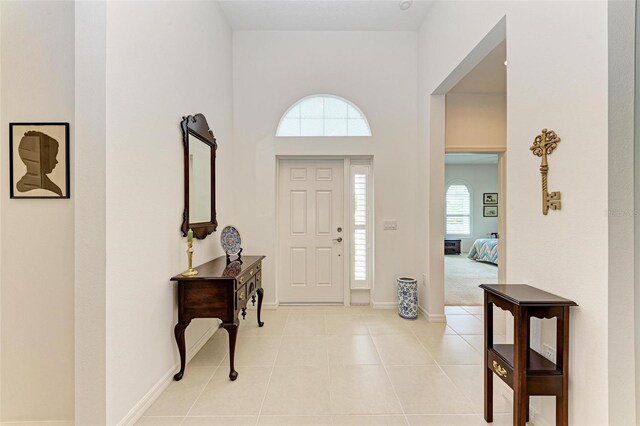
<point>323,115</point>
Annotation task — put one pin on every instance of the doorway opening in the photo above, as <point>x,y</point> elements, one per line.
<point>475,140</point>
<point>471,227</point>
<point>461,108</point>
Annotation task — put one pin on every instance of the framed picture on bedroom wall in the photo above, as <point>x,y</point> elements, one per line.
<point>490,211</point>
<point>39,160</point>
<point>490,197</point>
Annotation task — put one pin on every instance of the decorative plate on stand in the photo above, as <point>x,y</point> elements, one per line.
<point>230,240</point>
<point>233,269</point>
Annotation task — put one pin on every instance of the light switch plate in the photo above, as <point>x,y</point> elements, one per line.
<point>390,225</point>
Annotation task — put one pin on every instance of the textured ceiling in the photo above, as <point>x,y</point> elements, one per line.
<point>489,76</point>
<point>324,15</point>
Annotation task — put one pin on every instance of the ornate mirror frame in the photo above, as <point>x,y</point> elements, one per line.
<point>197,126</point>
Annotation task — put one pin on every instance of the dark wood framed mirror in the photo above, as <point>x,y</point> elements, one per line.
<point>199,177</point>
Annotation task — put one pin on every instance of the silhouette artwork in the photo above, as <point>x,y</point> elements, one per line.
<point>39,160</point>
<point>39,153</point>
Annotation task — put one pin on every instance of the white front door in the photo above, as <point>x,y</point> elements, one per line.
<point>311,231</point>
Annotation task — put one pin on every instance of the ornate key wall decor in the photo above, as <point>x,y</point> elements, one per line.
<point>543,145</point>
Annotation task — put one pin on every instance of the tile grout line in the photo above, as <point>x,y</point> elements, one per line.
<point>206,384</point>
<point>442,370</point>
<point>393,388</point>
<point>273,367</point>
<point>201,392</point>
<point>328,365</point>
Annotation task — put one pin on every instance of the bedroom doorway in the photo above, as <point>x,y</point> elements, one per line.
<point>471,227</point>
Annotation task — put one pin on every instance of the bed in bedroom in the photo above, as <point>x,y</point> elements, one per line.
<point>485,250</point>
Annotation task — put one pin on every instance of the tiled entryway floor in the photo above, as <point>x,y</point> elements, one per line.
<point>334,365</point>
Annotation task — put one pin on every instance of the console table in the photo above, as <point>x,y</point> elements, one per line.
<point>221,289</point>
<point>526,371</point>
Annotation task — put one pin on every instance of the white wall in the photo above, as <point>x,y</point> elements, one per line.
<point>376,71</point>
<point>562,91</point>
<point>164,60</point>
<point>90,210</point>
<point>636,202</point>
<point>37,269</point>
<point>476,120</point>
<point>622,340</point>
<point>480,178</point>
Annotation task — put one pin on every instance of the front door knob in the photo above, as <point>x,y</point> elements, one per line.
<point>339,239</point>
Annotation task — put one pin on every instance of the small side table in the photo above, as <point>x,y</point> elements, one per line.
<point>452,246</point>
<point>524,370</point>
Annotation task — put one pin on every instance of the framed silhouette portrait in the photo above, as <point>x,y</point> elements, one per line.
<point>39,160</point>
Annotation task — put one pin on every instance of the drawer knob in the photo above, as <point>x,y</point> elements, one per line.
<point>251,272</point>
<point>241,280</point>
<point>241,296</point>
<point>500,371</point>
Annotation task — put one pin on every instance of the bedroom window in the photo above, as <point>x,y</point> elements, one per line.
<point>323,115</point>
<point>458,209</point>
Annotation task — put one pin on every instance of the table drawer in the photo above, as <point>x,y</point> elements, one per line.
<point>251,286</point>
<point>259,279</point>
<point>241,298</point>
<point>242,280</point>
<point>500,367</point>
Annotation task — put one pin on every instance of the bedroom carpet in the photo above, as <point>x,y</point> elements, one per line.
<point>462,277</point>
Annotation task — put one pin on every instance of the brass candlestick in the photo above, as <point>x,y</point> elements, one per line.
<point>190,272</point>
<point>543,145</point>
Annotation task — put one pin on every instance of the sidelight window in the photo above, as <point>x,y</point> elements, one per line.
<point>361,226</point>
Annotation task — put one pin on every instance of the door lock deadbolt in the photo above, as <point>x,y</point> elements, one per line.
<point>339,229</point>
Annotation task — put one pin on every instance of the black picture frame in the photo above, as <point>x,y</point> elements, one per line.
<point>41,185</point>
<point>490,211</point>
<point>490,198</point>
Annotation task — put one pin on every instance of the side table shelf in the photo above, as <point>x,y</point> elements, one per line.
<point>523,369</point>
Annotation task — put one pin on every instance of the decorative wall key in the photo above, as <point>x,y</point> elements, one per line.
<point>543,145</point>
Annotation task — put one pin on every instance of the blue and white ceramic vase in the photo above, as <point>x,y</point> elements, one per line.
<point>408,297</point>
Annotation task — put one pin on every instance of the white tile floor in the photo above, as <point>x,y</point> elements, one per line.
<point>330,365</point>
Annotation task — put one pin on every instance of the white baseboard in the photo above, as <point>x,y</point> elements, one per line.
<point>39,423</point>
<point>265,306</point>
<point>385,305</point>
<point>432,317</point>
<point>141,406</point>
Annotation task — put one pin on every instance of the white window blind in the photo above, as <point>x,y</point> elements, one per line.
<point>323,115</point>
<point>458,210</point>
<point>361,214</point>
<point>360,227</point>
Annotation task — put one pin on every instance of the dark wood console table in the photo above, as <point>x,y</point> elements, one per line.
<point>526,371</point>
<point>220,290</point>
